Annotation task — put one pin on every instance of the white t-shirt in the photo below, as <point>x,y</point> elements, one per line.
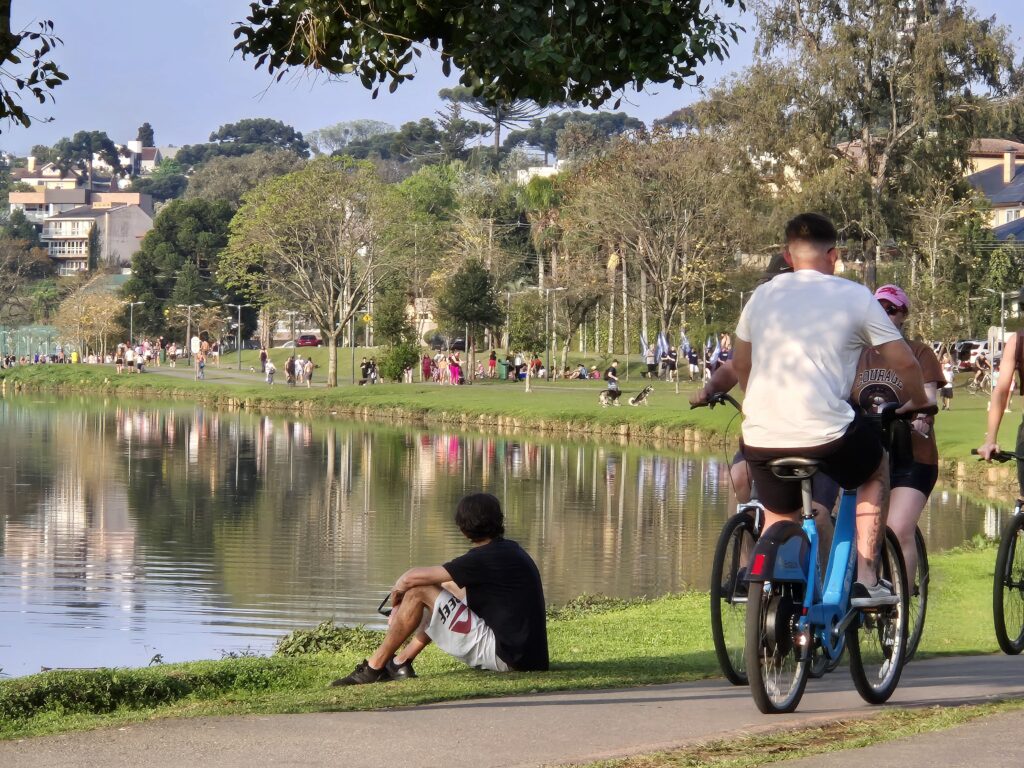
<point>806,331</point>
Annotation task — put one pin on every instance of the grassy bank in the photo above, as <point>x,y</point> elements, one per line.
<point>562,407</point>
<point>594,644</point>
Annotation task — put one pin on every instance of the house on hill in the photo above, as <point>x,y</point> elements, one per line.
<point>999,179</point>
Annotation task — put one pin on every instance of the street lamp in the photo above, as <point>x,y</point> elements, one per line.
<point>131,320</point>
<point>188,331</point>
<point>1002,315</point>
<point>291,316</point>
<point>239,306</point>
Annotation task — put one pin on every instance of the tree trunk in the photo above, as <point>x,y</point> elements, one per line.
<point>332,357</point>
<point>871,263</point>
<point>611,317</point>
<point>643,308</point>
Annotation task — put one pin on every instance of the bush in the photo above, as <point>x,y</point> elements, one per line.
<point>105,690</point>
<point>326,637</point>
<point>396,359</point>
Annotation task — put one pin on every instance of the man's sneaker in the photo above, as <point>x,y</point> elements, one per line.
<point>863,596</point>
<point>363,674</point>
<point>399,671</point>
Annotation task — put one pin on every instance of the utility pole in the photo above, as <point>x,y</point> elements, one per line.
<point>239,337</point>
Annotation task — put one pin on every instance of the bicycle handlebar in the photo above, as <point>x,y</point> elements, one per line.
<point>887,413</point>
<point>717,398</point>
<point>1001,456</point>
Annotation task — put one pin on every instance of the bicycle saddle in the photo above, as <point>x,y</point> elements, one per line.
<point>794,468</point>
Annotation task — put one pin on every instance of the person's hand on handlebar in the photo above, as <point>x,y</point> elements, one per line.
<point>700,398</point>
<point>914,405</point>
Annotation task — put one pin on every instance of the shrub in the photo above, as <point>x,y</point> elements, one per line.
<point>396,359</point>
<point>327,637</point>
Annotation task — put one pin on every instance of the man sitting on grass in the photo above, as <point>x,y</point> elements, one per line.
<point>485,608</point>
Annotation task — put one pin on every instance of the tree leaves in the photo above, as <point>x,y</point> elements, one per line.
<point>532,49</point>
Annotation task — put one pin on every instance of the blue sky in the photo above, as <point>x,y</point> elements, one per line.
<point>171,63</point>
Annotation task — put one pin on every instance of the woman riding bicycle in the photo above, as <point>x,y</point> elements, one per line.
<point>912,476</point>
<point>1013,365</point>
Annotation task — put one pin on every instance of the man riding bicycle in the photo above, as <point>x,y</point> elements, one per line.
<point>983,368</point>
<point>798,341</point>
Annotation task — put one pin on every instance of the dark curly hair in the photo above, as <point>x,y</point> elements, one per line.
<point>812,228</point>
<point>479,517</point>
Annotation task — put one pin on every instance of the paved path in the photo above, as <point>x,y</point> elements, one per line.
<point>520,731</point>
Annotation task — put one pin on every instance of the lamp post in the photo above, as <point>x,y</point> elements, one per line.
<point>131,320</point>
<point>291,315</point>
<point>1002,316</point>
<point>188,331</point>
<point>239,306</point>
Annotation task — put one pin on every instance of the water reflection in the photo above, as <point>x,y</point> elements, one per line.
<point>132,529</point>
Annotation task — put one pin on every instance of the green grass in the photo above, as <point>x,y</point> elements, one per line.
<point>565,407</point>
<point>762,749</point>
<point>594,643</point>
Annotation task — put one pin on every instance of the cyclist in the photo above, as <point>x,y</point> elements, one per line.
<point>1013,365</point>
<point>984,368</point>
<point>912,473</point>
<point>797,344</point>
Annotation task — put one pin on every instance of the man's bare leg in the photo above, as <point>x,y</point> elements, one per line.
<point>406,619</point>
<point>871,524</point>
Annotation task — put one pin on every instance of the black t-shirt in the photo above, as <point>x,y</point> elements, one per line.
<point>503,588</point>
<point>611,374</point>
<point>364,369</point>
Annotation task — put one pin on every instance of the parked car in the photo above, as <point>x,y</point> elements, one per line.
<point>308,340</point>
<point>439,342</point>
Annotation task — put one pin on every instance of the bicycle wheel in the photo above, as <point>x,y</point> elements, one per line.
<point>776,664</point>
<point>917,597</point>
<point>877,638</point>
<point>729,595</point>
<point>1008,588</point>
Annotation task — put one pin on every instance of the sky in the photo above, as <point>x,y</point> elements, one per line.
<point>171,64</point>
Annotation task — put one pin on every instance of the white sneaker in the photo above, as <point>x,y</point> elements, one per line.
<point>875,596</point>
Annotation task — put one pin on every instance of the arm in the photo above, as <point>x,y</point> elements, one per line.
<point>1001,394</point>
<point>898,356</point>
<point>419,577</point>
<point>741,362</point>
<point>722,380</point>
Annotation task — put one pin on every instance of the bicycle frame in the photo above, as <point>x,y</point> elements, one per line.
<point>788,552</point>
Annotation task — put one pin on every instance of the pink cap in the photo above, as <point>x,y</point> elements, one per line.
<point>894,295</point>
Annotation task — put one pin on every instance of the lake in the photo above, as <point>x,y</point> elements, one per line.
<point>136,529</point>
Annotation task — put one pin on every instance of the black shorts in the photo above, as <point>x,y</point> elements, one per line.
<point>849,461</point>
<point>947,391</point>
<point>652,368</point>
<point>824,490</point>
<point>915,475</point>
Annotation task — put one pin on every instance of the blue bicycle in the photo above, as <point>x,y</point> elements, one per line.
<point>792,614</point>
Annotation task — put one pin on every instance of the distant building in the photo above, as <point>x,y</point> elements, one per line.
<point>115,230</point>
<point>523,176</point>
<point>999,179</point>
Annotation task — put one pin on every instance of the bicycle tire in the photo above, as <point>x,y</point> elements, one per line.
<point>1008,588</point>
<point>918,603</point>
<point>877,638</point>
<point>777,666</point>
<point>728,597</point>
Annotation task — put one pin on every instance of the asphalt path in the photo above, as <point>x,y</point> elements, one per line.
<point>546,729</point>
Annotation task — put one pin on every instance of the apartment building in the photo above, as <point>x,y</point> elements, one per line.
<point>115,230</point>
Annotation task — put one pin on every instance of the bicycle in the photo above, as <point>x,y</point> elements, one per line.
<point>1008,583</point>
<point>790,611</point>
<point>974,386</point>
<point>728,589</point>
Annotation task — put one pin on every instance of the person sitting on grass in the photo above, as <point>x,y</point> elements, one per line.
<point>485,608</point>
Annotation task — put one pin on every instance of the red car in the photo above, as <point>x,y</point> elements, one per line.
<point>308,340</point>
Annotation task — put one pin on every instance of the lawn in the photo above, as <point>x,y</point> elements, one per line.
<point>594,643</point>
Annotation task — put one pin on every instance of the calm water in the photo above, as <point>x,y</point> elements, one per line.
<point>134,529</point>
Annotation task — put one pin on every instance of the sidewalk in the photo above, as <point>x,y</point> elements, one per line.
<point>525,730</point>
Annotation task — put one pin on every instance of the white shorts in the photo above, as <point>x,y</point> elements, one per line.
<point>460,633</point>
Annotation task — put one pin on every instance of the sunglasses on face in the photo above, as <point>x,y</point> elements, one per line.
<point>890,310</point>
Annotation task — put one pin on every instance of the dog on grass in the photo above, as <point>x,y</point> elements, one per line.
<point>609,397</point>
<point>640,398</point>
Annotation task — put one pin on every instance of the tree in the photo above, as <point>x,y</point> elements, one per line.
<point>542,51</point>
<point>43,154</point>
<point>667,210</point>
<point>390,321</point>
<point>167,181</point>
<point>229,178</point>
<point>184,232</point>
<point>145,135</point>
<point>89,318</point>
<point>328,140</point>
<point>543,133</point>
<point>243,138</point>
<point>500,114</point>
<point>890,88</point>
<point>32,44</point>
<point>78,152</point>
<point>18,227</point>
<point>469,300</point>
<point>310,240</point>
<point>21,264</point>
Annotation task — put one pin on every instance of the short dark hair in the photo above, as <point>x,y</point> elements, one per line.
<point>479,517</point>
<point>812,228</point>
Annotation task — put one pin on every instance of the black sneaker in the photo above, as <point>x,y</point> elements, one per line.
<point>876,596</point>
<point>399,671</point>
<point>363,674</point>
